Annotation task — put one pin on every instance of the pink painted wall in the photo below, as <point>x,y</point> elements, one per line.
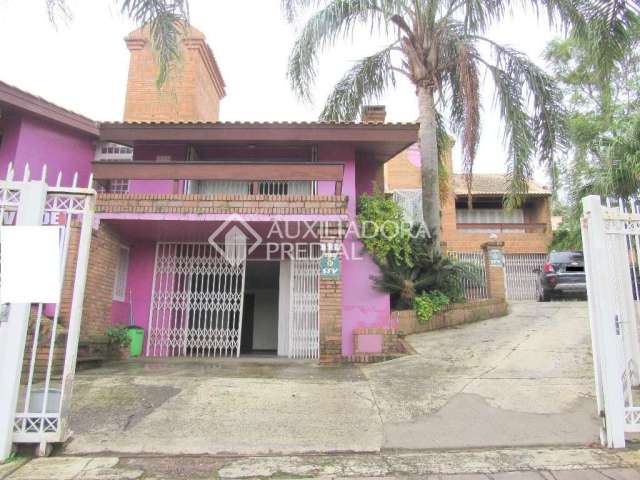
<point>11,133</point>
<point>38,142</point>
<point>365,176</point>
<point>151,186</point>
<point>362,305</point>
<point>120,313</point>
<point>140,279</point>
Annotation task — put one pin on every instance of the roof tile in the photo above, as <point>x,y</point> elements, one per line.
<point>492,184</point>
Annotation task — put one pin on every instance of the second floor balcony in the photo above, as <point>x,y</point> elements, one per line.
<point>488,217</point>
<point>219,187</point>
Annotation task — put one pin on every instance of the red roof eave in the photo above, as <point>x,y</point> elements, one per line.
<point>27,102</point>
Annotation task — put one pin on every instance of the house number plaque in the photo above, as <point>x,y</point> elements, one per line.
<point>495,257</point>
<point>330,266</point>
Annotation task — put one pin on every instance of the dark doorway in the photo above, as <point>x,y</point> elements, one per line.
<point>260,311</point>
<point>246,341</point>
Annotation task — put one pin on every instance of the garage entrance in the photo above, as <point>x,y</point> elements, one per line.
<point>202,305</point>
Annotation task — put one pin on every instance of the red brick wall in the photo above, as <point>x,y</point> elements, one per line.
<point>331,310</point>
<point>192,92</point>
<point>259,204</point>
<point>400,173</point>
<point>98,299</point>
<point>103,257</point>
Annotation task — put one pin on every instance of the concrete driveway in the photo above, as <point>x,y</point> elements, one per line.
<point>524,379</point>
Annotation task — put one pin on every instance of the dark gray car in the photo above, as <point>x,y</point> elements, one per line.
<point>561,275</point>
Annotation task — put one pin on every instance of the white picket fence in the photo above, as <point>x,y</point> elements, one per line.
<point>611,239</point>
<point>475,289</point>
<point>39,342</point>
<point>632,206</point>
<point>521,276</point>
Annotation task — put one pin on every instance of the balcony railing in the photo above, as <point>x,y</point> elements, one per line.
<point>261,178</point>
<point>503,227</point>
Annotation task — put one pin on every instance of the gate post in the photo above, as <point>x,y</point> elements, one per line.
<point>607,345</point>
<point>77,302</point>
<point>494,267</point>
<point>330,302</point>
<point>13,333</point>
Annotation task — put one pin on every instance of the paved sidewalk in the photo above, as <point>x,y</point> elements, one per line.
<point>496,464</point>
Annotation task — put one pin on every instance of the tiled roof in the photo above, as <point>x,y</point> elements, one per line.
<point>491,184</point>
<point>260,124</point>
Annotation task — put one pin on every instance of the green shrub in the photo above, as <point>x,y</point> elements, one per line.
<point>428,304</point>
<point>118,336</point>
<point>384,231</point>
<point>429,271</point>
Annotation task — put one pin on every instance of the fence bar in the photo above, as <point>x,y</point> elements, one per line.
<point>474,289</point>
<point>13,334</point>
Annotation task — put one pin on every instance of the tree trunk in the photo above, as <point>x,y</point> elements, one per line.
<point>429,161</point>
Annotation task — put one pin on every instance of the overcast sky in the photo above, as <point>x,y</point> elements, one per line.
<point>83,65</point>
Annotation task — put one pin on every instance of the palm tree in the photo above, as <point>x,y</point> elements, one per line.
<point>167,19</point>
<point>438,45</point>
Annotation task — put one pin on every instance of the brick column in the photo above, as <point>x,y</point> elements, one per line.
<point>331,303</point>
<point>494,266</point>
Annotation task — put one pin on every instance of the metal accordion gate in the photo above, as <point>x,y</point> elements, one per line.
<point>304,323</point>
<point>520,275</point>
<point>197,301</point>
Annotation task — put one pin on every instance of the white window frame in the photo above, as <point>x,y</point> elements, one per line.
<point>122,271</point>
<point>113,152</point>
<point>119,185</point>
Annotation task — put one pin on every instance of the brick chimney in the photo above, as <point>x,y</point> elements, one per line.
<point>373,114</point>
<point>192,92</point>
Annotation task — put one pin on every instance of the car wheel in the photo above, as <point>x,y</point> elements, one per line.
<point>544,296</point>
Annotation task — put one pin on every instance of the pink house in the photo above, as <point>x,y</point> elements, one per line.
<point>217,238</point>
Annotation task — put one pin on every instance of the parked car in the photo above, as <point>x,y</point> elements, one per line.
<point>561,275</point>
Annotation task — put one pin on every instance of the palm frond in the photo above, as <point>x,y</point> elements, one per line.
<point>445,144</point>
<point>469,87</point>
<point>517,133</point>
<point>518,82</point>
<point>168,21</point>
<point>291,9</point>
<point>58,9</point>
<point>480,14</point>
<point>365,82</point>
<point>336,20</point>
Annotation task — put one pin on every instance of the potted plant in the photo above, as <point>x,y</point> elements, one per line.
<point>119,342</point>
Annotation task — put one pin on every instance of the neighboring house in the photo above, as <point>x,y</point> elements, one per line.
<point>170,190</point>
<point>37,132</point>
<point>523,230</point>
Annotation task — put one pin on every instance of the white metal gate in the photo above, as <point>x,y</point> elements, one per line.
<point>304,318</point>
<point>520,274</point>
<point>611,243</point>
<point>411,203</point>
<point>473,288</point>
<point>38,342</point>
<point>197,301</point>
